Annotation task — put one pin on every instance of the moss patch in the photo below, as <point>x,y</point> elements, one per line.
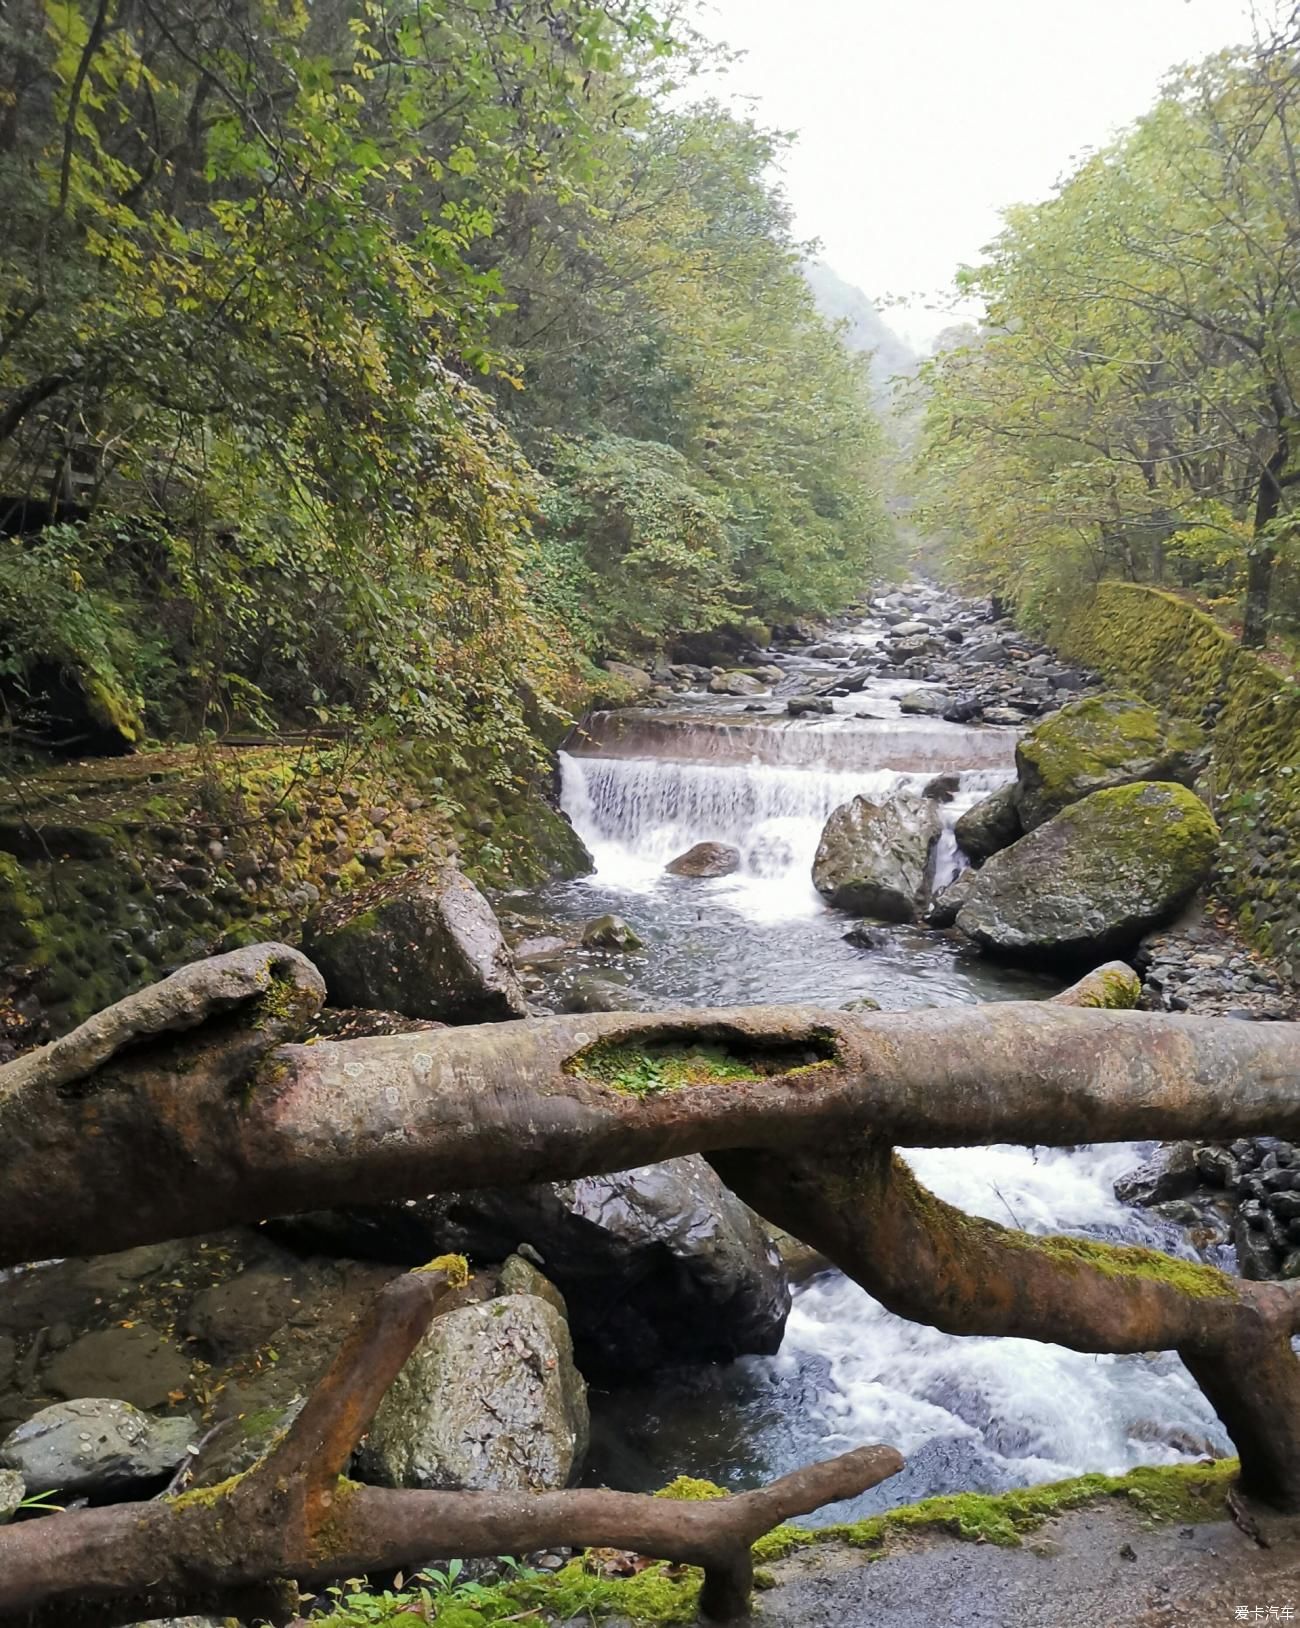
<point>1178,1492</point>
<point>653,1066</point>
<point>1130,1261</point>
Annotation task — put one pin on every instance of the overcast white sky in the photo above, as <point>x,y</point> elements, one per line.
<point>919,120</point>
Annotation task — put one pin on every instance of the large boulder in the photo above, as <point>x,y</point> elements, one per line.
<point>95,1448</point>
<point>489,1401</point>
<point>705,859</point>
<point>136,1364</point>
<point>424,943</point>
<point>991,825</point>
<point>658,1265</point>
<point>1103,740</point>
<point>736,683</point>
<point>874,858</point>
<point>1096,877</point>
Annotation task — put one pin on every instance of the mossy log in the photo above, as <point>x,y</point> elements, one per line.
<point>294,1515</point>
<point>182,1109</point>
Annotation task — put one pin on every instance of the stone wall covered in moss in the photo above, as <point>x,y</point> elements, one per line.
<point>1173,653</point>
<point>115,871</point>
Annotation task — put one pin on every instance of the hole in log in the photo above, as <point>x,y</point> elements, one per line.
<point>668,1059</point>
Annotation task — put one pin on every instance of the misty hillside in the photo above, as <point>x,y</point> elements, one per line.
<point>867,329</point>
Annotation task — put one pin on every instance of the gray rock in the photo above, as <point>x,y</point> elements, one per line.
<point>928,703</point>
<point>95,1448</point>
<point>136,1364</point>
<point>609,933</point>
<point>943,788</point>
<point>13,1489</point>
<point>520,1276</point>
<point>705,859</point>
<point>599,992</point>
<point>635,679</point>
<point>861,1003</point>
<point>1171,1174</point>
<point>799,706</point>
<point>489,1401</point>
<point>1103,740</point>
<point>1256,1258</point>
<point>910,629</point>
<point>874,858</point>
<point>1006,717</point>
<point>424,943</point>
<point>945,906</point>
<point>659,1265</point>
<point>1094,879</point>
<point>736,683</point>
<point>989,651</point>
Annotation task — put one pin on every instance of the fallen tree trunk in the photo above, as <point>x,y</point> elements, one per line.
<point>182,1110</point>
<point>191,1115</point>
<point>294,1516</point>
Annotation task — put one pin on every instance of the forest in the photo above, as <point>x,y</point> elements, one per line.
<point>649,943</point>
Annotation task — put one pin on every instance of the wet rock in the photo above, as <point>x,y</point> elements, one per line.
<point>864,936</point>
<point>610,933</point>
<point>361,1023</point>
<point>963,709</point>
<point>800,706</point>
<point>520,1276</point>
<point>1217,1166</point>
<point>599,992</point>
<point>1007,717</point>
<point>874,858</point>
<point>861,1003</point>
<point>136,1364</point>
<point>1255,1257</point>
<point>925,703</point>
<point>991,825</point>
<point>660,1265</point>
<point>736,682</point>
<point>1092,880</point>
<point>240,1440</point>
<point>1112,739</point>
<point>1171,1174</point>
<point>705,859</point>
<point>244,1310</point>
<point>489,1401</point>
<point>943,909</point>
<point>95,1448</point>
<point>13,1489</point>
<point>943,788</point>
<point>424,943</point>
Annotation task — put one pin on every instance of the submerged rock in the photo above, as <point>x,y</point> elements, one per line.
<point>705,859</point>
<point>136,1364</point>
<point>610,933</point>
<point>874,858</point>
<point>424,943</point>
<point>489,1401</point>
<point>95,1448</point>
<point>1092,880</point>
<point>944,908</point>
<point>991,825</point>
<point>1104,740</point>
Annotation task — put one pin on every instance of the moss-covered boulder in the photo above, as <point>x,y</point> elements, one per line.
<point>489,1401</point>
<point>1102,740</point>
<point>874,858</point>
<point>1095,878</point>
<point>424,943</point>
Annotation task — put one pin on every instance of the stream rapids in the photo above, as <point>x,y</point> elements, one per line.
<point>970,1413</point>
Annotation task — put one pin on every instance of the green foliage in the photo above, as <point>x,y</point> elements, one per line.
<point>286,291</point>
<point>1126,409</point>
<point>659,1066</point>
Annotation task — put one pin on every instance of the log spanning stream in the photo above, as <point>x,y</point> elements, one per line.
<point>973,1413</point>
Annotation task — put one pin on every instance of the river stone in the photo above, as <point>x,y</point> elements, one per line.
<point>489,1401</point>
<point>705,859</point>
<point>1170,1174</point>
<point>1096,877</point>
<point>635,679</point>
<point>874,858</point>
<point>424,943</point>
<point>659,1265</point>
<point>136,1364</point>
<point>926,703</point>
<point>610,933</point>
<point>13,1489</point>
<point>946,905</point>
<point>1102,740</point>
<point>991,825</point>
<point>96,1448</point>
<point>736,683</point>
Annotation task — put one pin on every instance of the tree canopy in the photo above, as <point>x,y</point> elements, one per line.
<point>395,357</point>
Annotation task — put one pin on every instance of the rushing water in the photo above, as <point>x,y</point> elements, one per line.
<point>641,788</point>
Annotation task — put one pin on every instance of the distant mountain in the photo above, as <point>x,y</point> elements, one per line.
<point>867,329</point>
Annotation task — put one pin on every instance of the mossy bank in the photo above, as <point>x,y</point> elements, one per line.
<point>1176,655</point>
<point>113,871</point>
